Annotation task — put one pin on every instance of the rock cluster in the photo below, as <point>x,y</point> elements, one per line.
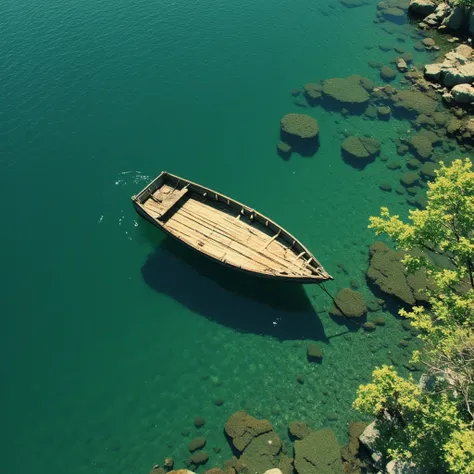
<point>450,16</point>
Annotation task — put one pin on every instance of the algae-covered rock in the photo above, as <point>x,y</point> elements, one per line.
<point>313,92</point>
<point>242,428</point>
<point>318,453</point>
<point>314,353</point>
<point>388,273</point>
<point>197,443</point>
<point>394,14</point>
<point>387,73</point>
<point>197,459</point>
<point>413,164</point>
<point>298,429</point>
<point>422,146</point>
<point>300,131</point>
<point>300,126</point>
<point>284,150</point>
<point>261,454</point>
<point>428,170</point>
<point>394,164</point>
<point>286,464</point>
<point>414,102</point>
<point>409,179</point>
<point>369,326</point>
<point>360,150</point>
<point>346,92</point>
<point>384,112</point>
<point>349,303</point>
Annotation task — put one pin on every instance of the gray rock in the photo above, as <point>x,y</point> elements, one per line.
<point>463,74</point>
<point>369,436</point>
<point>421,8</point>
<point>442,11</point>
<point>401,467</point>
<point>456,19</point>
<point>432,72</point>
<point>463,93</point>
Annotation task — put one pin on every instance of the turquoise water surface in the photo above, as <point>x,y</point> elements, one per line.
<point>115,338</point>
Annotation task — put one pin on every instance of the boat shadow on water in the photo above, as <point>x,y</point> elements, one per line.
<point>231,298</point>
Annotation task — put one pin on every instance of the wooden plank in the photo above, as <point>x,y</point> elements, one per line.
<point>239,233</point>
<point>249,249</point>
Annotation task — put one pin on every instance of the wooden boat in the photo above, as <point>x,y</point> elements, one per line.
<point>226,230</point>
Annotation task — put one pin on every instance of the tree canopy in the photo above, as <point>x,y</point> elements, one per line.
<point>433,426</point>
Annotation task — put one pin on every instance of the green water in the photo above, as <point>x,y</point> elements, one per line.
<point>113,338</point>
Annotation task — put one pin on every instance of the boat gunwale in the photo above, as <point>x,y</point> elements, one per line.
<point>303,279</point>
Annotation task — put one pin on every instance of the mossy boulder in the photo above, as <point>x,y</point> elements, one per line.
<point>394,14</point>
<point>197,443</point>
<point>393,164</point>
<point>359,151</point>
<point>388,74</point>
<point>346,93</point>
<point>242,428</point>
<point>369,326</point>
<point>413,164</point>
<point>261,454</point>
<point>314,353</point>
<point>387,187</point>
<point>318,453</point>
<point>422,146</point>
<point>298,429</point>
<point>197,459</point>
<point>313,92</point>
<point>384,112</point>
<point>300,131</point>
<point>387,271</point>
<point>413,102</point>
<point>349,303</point>
<point>301,126</point>
<point>284,150</point>
<point>409,179</point>
<point>428,170</point>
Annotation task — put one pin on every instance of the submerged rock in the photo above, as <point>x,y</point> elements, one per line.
<point>421,8</point>
<point>301,132</point>
<point>298,429</point>
<point>261,454</point>
<point>346,93</point>
<point>242,428</point>
<point>313,92</point>
<point>349,303</point>
<point>318,453</point>
<point>422,146</point>
<point>360,150</point>
<point>197,443</point>
<point>284,150</point>
<point>300,126</point>
<point>387,73</point>
<point>314,353</point>
<point>387,271</point>
<point>197,459</point>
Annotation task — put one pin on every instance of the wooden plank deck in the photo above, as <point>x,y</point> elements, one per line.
<point>231,240</point>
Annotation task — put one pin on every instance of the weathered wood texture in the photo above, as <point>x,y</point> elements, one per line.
<point>212,224</point>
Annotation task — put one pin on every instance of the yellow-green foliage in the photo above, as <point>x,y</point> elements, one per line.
<point>434,428</point>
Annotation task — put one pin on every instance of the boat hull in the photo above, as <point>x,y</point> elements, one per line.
<point>162,213</point>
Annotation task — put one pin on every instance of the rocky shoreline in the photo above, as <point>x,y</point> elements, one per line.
<point>259,449</point>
